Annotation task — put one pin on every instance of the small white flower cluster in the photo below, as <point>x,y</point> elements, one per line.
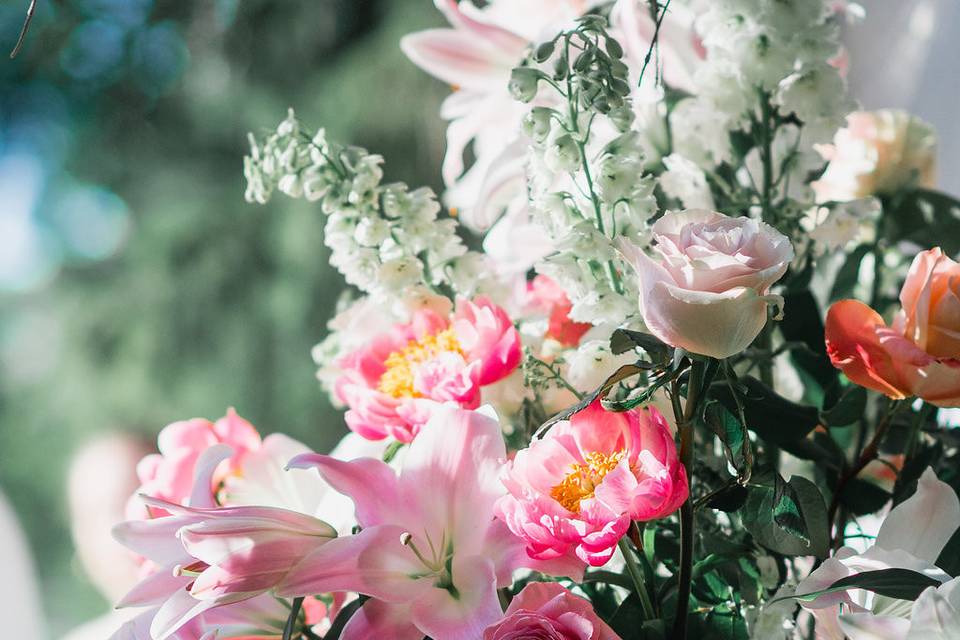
<point>586,181</point>
<point>384,238</point>
<point>786,53</point>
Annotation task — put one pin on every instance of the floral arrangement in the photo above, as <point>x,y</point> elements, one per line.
<point>674,358</point>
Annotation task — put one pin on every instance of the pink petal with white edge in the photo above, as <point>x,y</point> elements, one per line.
<point>448,56</point>
<point>456,456</point>
<point>177,611</point>
<point>371,483</point>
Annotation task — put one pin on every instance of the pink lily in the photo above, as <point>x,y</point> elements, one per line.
<point>430,554</point>
<point>208,557</point>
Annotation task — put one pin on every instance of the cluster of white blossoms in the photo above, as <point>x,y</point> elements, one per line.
<point>586,175</point>
<point>384,239</point>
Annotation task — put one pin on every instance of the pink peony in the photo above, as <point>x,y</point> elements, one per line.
<point>168,475</point>
<point>706,288</point>
<point>575,491</point>
<point>393,384</point>
<point>547,611</point>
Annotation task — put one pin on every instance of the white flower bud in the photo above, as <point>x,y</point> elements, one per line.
<point>562,155</point>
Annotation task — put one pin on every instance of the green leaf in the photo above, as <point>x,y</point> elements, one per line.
<point>769,415</point>
<point>848,409</point>
<point>849,274</point>
<point>624,340</point>
<point>773,518</point>
<point>624,372</point>
<point>862,497</point>
<point>732,434</point>
<point>925,217</point>
<point>803,322</point>
<point>729,499</point>
<point>900,584</point>
<point>628,622</point>
<point>786,509</point>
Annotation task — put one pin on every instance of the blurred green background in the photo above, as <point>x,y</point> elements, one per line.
<point>136,285</point>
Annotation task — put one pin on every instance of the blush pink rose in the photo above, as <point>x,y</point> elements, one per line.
<point>575,492</point>
<point>705,287</point>
<point>920,354</point>
<point>168,475</point>
<point>547,611</point>
<point>393,384</point>
<point>877,153</point>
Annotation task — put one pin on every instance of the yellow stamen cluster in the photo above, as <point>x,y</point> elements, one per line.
<point>584,479</point>
<point>397,380</point>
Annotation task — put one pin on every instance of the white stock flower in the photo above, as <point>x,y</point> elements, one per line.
<point>592,362</point>
<point>686,182</point>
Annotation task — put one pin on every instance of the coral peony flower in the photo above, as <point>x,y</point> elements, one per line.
<point>430,554</point>
<point>706,288</point>
<point>393,384</point>
<point>168,475</point>
<point>547,611</point>
<point>545,296</point>
<point>574,492</point>
<point>878,153</point>
<point>920,354</point>
<point>911,537</point>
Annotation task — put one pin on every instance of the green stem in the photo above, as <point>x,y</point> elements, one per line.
<point>695,385</point>
<point>868,455</point>
<point>636,575</point>
<point>292,618</point>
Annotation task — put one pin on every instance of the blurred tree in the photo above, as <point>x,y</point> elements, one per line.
<point>136,285</point>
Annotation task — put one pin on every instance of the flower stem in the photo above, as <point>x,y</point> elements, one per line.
<point>649,613</point>
<point>292,618</point>
<point>868,455</point>
<point>695,385</point>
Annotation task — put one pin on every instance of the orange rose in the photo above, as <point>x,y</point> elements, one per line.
<point>920,354</point>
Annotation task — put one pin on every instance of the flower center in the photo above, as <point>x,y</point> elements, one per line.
<point>581,482</point>
<point>397,380</point>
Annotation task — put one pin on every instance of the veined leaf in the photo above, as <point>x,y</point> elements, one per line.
<point>901,584</point>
